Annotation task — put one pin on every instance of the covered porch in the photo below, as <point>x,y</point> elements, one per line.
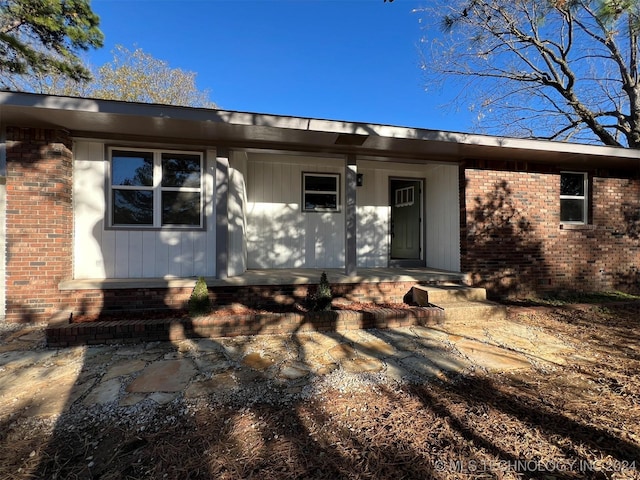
<point>311,276</point>
<point>104,312</point>
<point>276,276</point>
<point>98,298</point>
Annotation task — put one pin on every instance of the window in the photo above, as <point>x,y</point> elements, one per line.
<point>404,197</point>
<point>320,192</point>
<point>152,188</point>
<point>573,197</point>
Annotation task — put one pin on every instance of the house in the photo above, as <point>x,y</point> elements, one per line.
<point>108,205</point>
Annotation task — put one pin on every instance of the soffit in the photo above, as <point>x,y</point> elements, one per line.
<point>182,125</point>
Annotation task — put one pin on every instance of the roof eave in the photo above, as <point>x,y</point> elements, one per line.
<point>115,119</point>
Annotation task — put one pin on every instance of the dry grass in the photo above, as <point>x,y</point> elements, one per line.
<point>573,422</point>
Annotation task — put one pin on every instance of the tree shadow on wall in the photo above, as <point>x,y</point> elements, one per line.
<point>503,253</point>
<point>629,280</point>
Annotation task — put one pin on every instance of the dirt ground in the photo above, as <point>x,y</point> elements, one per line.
<point>575,421</point>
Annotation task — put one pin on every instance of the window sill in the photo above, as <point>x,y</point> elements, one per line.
<point>577,226</point>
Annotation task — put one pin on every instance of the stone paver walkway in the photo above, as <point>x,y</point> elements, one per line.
<point>36,381</point>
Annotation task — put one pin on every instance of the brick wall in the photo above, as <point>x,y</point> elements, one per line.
<point>514,245</point>
<point>89,305</point>
<point>39,222</point>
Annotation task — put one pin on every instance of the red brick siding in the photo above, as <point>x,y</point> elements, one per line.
<point>132,331</point>
<point>39,221</point>
<point>88,305</point>
<point>513,243</point>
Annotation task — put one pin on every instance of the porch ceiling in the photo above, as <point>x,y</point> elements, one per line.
<point>124,121</point>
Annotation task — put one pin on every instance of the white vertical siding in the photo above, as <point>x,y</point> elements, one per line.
<point>373,218</point>
<point>237,214</point>
<point>279,234</point>
<point>267,226</point>
<point>91,243</point>
<point>119,253</point>
<point>441,230</point>
<point>442,218</point>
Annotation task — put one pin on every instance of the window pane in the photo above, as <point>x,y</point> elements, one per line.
<point>572,184</point>
<point>180,208</point>
<point>180,170</point>
<point>320,201</point>
<point>571,210</point>
<point>320,184</point>
<point>132,207</point>
<point>132,168</point>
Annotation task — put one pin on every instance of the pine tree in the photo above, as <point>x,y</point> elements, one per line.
<point>44,36</point>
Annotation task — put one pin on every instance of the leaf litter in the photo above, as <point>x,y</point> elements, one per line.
<point>574,421</point>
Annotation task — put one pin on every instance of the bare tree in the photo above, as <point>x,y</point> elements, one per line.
<point>136,76</point>
<point>131,76</point>
<point>555,69</point>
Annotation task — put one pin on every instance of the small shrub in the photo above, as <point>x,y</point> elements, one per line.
<point>199,302</point>
<point>323,296</point>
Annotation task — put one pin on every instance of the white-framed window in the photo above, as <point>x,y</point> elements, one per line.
<point>320,192</point>
<point>404,197</point>
<point>155,188</point>
<point>573,197</point>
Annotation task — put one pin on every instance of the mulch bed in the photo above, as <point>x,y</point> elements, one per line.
<point>578,421</point>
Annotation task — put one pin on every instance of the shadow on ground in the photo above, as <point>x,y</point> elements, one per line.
<point>399,403</point>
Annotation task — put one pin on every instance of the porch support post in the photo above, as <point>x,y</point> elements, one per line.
<point>222,213</point>
<point>350,222</point>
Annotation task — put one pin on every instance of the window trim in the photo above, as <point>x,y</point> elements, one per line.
<point>584,198</point>
<point>156,188</point>
<point>305,191</point>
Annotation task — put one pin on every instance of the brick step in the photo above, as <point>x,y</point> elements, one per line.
<point>425,295</point>
<point>134,331</point>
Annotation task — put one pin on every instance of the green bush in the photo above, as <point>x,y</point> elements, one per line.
<point>199,302</point>
<point>323,296</point>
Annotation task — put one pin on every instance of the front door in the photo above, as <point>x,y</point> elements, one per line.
<point>406,212</point>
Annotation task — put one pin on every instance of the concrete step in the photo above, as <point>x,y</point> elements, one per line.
<point>461,304</point>
<point>473,312</point>
<point>425,295</point>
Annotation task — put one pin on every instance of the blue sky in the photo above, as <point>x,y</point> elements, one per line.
<point>354,60</point>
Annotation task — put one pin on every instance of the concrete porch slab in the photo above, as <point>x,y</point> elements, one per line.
<point>274,276</point>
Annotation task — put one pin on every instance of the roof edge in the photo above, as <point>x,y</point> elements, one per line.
<point>239,118</point>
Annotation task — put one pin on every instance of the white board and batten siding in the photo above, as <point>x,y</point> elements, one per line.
<point>441,228</point>
<point>267,227</point>
<point>372,216</point>
<point>281,235</point>
<point>101,252</point>
<point>443,218</point>
<point>237,214</point>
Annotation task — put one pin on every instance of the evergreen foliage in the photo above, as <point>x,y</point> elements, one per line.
<point>323,296</point>
<point>39,37</point>
<point>199,302</point>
